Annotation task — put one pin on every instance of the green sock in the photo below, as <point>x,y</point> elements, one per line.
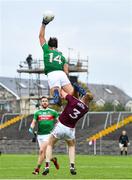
<point>38,166</point>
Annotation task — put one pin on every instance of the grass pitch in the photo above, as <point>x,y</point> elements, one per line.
<point>88,167</point>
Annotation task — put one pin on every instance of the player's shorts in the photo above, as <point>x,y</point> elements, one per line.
<point>42,138</point>
<point>57,79</point>
<point>63,132</point>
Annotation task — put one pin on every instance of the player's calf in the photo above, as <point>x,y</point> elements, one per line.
<point>54,160</point>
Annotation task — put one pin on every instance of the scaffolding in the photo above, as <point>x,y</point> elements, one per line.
<point>76,66</point>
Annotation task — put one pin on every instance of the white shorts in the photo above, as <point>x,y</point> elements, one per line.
<point>42,138</point>
<point>57,79</point>
<point>63,132</point>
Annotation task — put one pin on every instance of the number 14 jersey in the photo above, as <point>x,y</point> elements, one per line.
<point>73,111</point>
<point>53,59</point>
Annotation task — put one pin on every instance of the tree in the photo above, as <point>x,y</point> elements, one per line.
<point>120,107</point>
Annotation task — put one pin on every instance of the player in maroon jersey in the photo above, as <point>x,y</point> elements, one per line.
<point>65,128</point>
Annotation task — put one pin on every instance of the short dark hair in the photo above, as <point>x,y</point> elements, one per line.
<point>53,42</point>
<point>43,97</point>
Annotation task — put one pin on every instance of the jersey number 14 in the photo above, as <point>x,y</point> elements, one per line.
<point>52,58</point>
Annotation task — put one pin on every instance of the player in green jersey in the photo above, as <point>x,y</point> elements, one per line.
<point>45,119</point>
<point>56,65</point>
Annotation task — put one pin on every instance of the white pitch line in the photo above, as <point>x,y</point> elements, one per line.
<point>68,179</point>
<point>78,167</point>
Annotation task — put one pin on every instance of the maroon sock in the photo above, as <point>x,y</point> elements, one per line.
<point>47,164</point>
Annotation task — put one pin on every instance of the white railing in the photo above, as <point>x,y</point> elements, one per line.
<point>108,118</point>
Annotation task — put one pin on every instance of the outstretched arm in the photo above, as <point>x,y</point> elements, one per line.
<point>42,30</point>
<point>42,35</point>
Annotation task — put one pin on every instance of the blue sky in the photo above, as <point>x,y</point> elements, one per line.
<point>99,29</point>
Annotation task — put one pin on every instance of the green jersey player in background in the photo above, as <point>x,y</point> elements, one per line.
<point>45,119</point>
<point>56,65</point>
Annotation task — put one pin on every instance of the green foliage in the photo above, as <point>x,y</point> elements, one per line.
<point>107,107</point>
<point>94,107</point>
<point>120,107</point>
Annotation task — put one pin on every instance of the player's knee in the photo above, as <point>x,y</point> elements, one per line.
<point>41,151</point>
<point>50,145</point>
<point>71,143</point>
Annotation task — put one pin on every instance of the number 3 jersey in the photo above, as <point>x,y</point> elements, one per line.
<point>73,111</point>
<point>53,59</point>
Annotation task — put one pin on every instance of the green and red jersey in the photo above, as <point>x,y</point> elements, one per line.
<point>53,59</point>
<point>46,119</point>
